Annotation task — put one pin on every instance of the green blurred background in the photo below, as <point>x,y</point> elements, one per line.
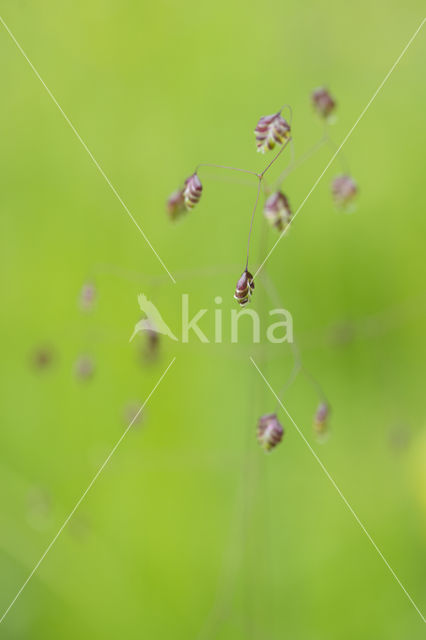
<point>191,531</point>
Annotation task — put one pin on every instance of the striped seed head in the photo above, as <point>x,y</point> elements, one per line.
<point>277,210</point>
<point>271,130</point>
<point>269,431</point>
<point>244,288</point>
<point>192,191</point>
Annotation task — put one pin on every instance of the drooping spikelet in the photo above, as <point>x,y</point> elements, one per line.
<point>133,414</point>
<point>192,191</point>
<point>84,367</point>
<point>87,296</point>
<point>269,431</point>
<point>277,210</point>
<point>176,204</point>
<point>344,190</point>
<point>43,357</point>
<point>323,103</point>
<point>271,130</point>
<point>321,421</point>
<point>244,288</point>
<point>152,342</point>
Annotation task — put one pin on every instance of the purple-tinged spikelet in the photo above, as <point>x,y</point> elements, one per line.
<point>151,347</point>
<point>323,103</point>
<point>244,288</point>
<point>269,431</point>
<point>321,421</point>
<point>277,210</point>
<point>344,190</point>
<point>271,130</point>
<point>87,296</point>
<point>176,204</point>
<point>133,414</point>
<point>84,368</point>
<point>42,358</point>
<point>192,191</point>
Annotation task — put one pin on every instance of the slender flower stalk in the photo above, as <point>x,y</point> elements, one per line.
<point>316,385</point>
<point>252,220</point>
<point>298,162</point>
<point>275,158</point>
<point>261,176</point>
<point>298,367</point>
<point>221,166</point>
<point>335,148</point>
<point>324,140</point>
<point>270,131</point>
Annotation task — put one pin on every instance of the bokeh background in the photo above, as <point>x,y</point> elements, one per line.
<point>191,531</point>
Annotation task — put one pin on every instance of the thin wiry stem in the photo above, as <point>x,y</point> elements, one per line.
<point>221,166</point>
<point>236,559</point>
<point>252,219</point>
<point>260,176</point>
<point>254,173</point>
<point>231,563</point>
<point>257,525</point>
<point>333,146</point>
<point>275,158</point>
<point>292,377</point>
<point>314,382</point>
<point>298,366</point>
<point>293,152</point>
<point>337,151</point>
<point>295,164</point>
<point>288,106</point>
